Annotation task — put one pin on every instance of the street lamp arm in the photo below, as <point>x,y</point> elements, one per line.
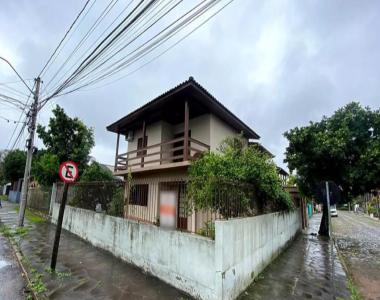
<point>19,76</point>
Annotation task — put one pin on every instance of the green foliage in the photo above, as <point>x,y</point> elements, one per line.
<point>3,153</point>
<point>372,210</point>
<point>107,193</point>
<point>116,206</point>
<point>344,148</point>
<point>13,232</point>
<point>45,168</point>
<point>37,284</point>
<point>240,173</point>
<point>67,138</point>
<point>6,230</point>
<point>32,217</point>
<point>95,172</point>
<point>14,165</point>
<point>208,230</point>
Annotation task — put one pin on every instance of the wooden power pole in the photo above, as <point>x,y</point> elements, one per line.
<point>30,147</point>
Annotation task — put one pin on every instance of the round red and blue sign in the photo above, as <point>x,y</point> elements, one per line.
<point>68,171</point>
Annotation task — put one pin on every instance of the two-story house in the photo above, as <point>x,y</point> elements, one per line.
<point>163,137</point>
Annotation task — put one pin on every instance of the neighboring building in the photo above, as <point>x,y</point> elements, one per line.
<point>164,136</point>
<point>284,176</point>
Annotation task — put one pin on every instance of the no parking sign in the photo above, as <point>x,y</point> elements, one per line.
<point>68,171</point>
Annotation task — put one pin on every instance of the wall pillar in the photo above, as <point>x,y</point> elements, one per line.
<point>186,133</point>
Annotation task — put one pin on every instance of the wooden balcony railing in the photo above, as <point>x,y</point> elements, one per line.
<point>159,154</point>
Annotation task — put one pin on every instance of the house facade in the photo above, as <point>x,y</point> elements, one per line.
<point>163,137</point>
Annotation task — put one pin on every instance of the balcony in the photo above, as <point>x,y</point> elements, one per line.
<point>162,155</point>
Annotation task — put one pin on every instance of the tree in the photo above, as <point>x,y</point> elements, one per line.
<point>229,172</point>
<point>45,168</point>
<point>67,138</point>
<point>3,153</point>
<point>343,148</point>
<point>95,172</point>
<point>14,165</point>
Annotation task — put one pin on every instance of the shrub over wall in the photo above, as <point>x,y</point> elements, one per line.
<point>237,175</point>
<point>110,194</point>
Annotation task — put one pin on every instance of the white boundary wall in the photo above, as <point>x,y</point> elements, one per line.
<point>205,269</point>
<point>244,247</point>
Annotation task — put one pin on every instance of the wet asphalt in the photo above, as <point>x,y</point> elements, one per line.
<point>358,240</point>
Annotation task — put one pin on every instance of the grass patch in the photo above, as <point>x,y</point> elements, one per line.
<point>60,275</point>
<point>10,233</point>
<point>32,217</point>
<point>36,283</point>
<point>6,231</point>
<point>355,294</point>
<point>3,197</point>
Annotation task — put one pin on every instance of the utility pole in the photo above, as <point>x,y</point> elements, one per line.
<point>30,147</point>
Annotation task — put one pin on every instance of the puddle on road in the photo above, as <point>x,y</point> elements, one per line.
<point>4,263</point>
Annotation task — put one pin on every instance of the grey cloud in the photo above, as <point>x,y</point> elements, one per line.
<point>274,64</point>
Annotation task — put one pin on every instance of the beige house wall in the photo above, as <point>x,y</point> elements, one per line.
<point>199,126</point>
<point>219,131</point>
<point>206,128</point>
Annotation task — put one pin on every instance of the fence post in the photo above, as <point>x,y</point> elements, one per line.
<point>52,198</point>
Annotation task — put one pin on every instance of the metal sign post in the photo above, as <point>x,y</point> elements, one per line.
<point>68,172</point>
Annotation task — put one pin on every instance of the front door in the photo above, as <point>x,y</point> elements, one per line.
<point>181,207</point>
<point>168,202</point>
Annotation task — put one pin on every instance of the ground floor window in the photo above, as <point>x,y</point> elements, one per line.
<point>139,195</point>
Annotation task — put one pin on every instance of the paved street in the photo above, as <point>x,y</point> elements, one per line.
<point>86,272</point>
<point>358,239</point>
<point>308,269</point>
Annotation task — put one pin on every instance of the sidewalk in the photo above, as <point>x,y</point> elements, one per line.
<point>308,269</point>
<point>86,272</point>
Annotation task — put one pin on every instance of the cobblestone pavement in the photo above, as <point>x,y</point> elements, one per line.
<point>86,272</point>
<point>358,239</point>
<point>308,269</point>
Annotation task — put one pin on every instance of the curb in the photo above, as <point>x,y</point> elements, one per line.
<point>346,269</point>
<point>25,273</point>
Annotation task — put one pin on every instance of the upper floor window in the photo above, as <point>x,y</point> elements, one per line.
<point>141,145</point>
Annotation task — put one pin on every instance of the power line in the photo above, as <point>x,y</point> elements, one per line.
<point>166,50</point>
<point>19,119</point>
<point>64,37</point>
<point>10,100</point>
<point>156,43</point>
<point>18,138</point>
<point>94,54</point>
<point>81,42</point>
<point>87,67</point>
<point>9,120</point>
<point>19,76</point>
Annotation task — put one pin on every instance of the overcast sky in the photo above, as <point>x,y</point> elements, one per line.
<point>275,64</point>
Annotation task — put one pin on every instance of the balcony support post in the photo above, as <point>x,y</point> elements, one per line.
<point>186,133</point>
<point>143,142</point>
<point>117,150</point>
